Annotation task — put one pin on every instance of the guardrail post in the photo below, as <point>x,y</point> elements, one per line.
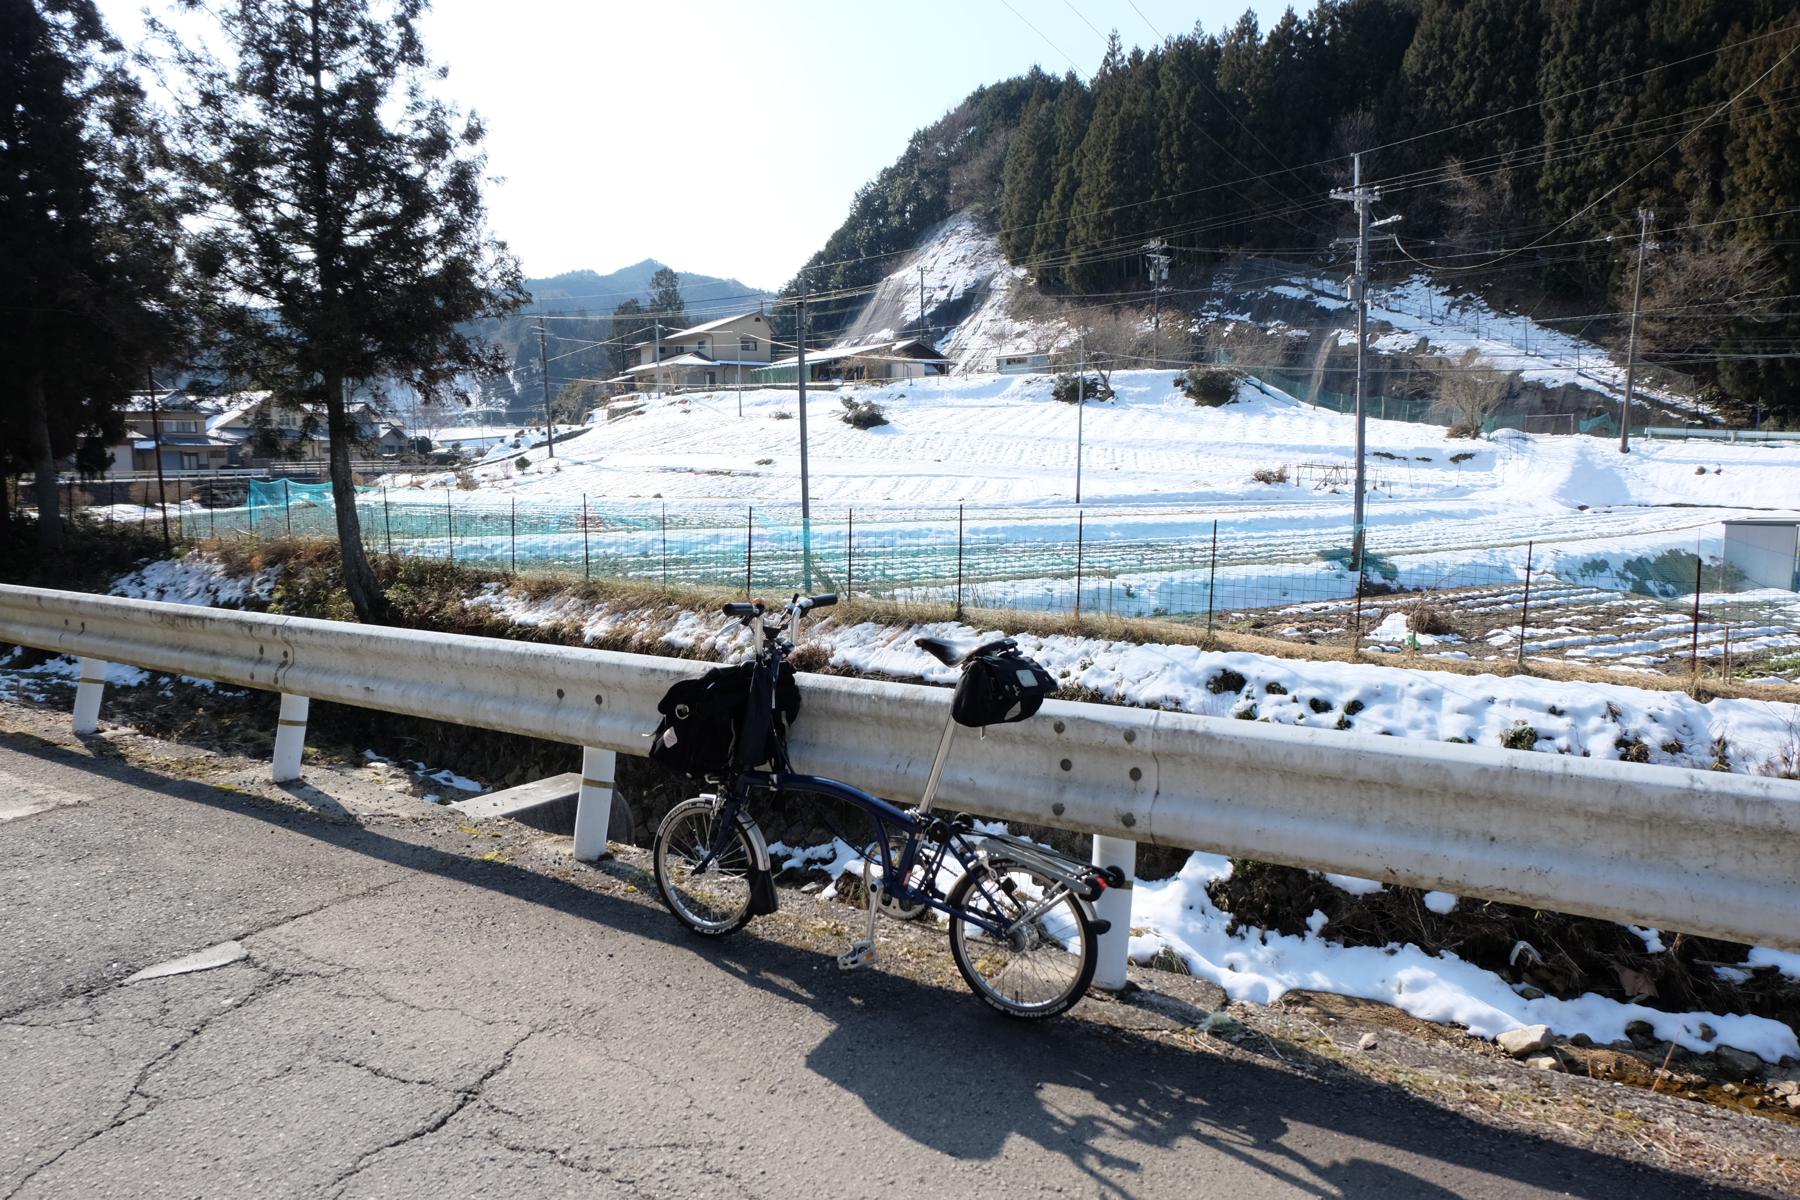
<point>593,807</point>
<point>290,738</point>
<point>1114,905</point>
<point>88,690</point>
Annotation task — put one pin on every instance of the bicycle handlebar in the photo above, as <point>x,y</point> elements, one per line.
<point>824,600</point>
<point>742,608</point>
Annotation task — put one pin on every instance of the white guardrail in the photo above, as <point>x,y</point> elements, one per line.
<point>1703,852</point>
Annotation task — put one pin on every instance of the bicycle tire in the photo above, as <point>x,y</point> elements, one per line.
<point>1065,981</point>
<point>723,905</point>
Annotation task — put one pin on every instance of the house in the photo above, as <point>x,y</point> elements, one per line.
<point>878,361</point>
<point>718,353</point>
<point>298,431</point>
<point>179,425</point>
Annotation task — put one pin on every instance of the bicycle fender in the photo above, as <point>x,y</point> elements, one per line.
<point>763,896</point>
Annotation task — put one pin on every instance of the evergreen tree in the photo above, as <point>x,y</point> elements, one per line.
<point>665,298</point>
<point>1116,167</point>
<point>1028,180</point>
<point>88,242</point>
<point>1074,109</point>
<point>629,327</point>
<point>354,249</point>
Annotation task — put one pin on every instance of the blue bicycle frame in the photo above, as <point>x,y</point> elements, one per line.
<point>918,827</point>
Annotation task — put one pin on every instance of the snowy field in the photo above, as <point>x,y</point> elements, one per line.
<point>675,492</point>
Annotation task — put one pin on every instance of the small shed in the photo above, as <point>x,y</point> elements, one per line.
<point>1766,550</point>
<point>1029,362</point>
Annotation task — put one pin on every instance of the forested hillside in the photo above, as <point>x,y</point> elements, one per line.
<point>1517,139</point>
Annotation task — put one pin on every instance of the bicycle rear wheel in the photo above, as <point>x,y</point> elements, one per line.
<point>1046,964</point>
<point>713,902</point>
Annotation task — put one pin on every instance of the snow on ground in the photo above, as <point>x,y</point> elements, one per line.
<point>1002,441</point>
<point>1261,966</point>
<point>193,579</point>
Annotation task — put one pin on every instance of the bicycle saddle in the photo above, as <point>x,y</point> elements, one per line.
<point>951,653</point>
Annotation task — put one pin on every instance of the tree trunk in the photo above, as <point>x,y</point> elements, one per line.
<point>365,592</point>
<point>43,465</point>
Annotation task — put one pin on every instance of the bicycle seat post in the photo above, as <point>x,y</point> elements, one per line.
<point>937,766</point>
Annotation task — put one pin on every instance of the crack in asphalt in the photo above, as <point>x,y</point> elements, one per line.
<point>95,990</point>
<point>465,1097</point>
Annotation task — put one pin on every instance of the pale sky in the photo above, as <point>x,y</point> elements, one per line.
<point>729,138</point>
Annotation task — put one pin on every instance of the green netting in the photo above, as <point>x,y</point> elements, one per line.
<point>286,493</point>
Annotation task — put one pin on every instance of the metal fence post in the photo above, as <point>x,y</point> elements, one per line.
<point>584,539</point>
<point>1114,905</point>
<point>1525,608</point>
<point>749,536</point>
<point>1212,574</point>
<point>515,535</point>
<point>665,520</point>
<point>1080,542</point>
<point>849,551</point>
<point>88,691</point>
<point>959,561</point>
<point>290,738</point>
<point>593,806</point>
<point>180,526</point>
<point>387,519</point>
<point>1694,649</point>
<point>449,525</point>
<point>287,506</point>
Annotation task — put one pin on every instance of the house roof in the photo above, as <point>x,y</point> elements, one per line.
<point>721,323</point>
<point>677,360</point>
<point>894,351</point>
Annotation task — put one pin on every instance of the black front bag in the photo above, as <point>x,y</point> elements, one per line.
<point>708,728</point>
<point>999,688</point>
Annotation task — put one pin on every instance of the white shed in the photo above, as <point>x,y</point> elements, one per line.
<point>1767,551</point>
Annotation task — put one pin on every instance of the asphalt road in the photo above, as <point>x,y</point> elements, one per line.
<point>410,1021</point>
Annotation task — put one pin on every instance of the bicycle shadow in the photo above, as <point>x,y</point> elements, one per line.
<point>936,1066</point>
<point>967,1082</point>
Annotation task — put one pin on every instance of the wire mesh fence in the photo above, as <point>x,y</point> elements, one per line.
<point>1602,588</point>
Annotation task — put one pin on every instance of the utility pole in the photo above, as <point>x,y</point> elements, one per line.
<point>805,483</point>
<point>1157,256</point>
<point>1361,197</point>
<point>924,329</point>
<point>544,366</point>
<point>657,350</point>
<point>1080,407</point>
<point>162,497</point>
<point>1645,216</point>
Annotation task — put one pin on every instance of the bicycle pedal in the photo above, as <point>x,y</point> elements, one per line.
<point>858,956</point>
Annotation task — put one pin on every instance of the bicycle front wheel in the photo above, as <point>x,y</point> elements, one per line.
<point>713,901</point>
<point>1045,961</point>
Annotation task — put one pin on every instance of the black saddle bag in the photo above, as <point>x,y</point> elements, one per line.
<point>708,727</point>
<point>999,688</point>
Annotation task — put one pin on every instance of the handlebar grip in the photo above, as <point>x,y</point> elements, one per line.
<point>739,608</point>
<point>824,601</point>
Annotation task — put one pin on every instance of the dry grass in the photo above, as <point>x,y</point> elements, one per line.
<point>654,598</point>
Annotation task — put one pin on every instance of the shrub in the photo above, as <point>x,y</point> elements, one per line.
<point>522,462</point>
<point>465,480</point>
<point>864,414</point>
<point>1227,680</point>
<point>1426,617</point>
<point>1064,390</point>
<point>1270,475</point>
<point>1520,737</point>
<point>1212,387</point>
<point>1462,456</point>
<point>1463,431</point>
